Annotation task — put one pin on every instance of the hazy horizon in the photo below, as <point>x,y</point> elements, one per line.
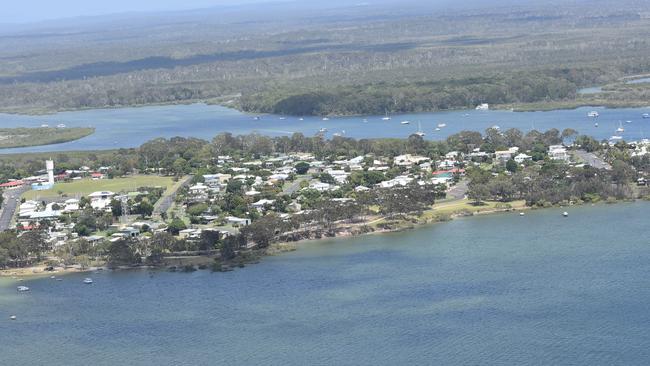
<point>33,11</point>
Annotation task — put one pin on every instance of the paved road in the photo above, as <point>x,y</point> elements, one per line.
<point>166,201</point>
<point>458,191</point>
<point>592,159</point>
<point>9,205</point>
<point>295,186</point>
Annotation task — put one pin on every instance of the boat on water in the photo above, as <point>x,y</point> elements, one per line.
<point>22,288</point>
<point>483,107</point>
<point>301,119</point>
<point>283,118</point>
<point>45,125</point>
<point>620,128</point>
<point>496,127</point>
<point>13,317</point>
<point>406,122</point>
<point>442,125</point>
<point>645,115</point>
<point>593,114</point>
<point>438,129</point>
<point>387,117</point>
<point>325,119</point>
<point>257,118</point>
<point>628,121</point>
<point>61,125</point>
<point>88,281</point>
<point>420,132</point>
<point>615,137</point>
<point>565,214</point>
<point>596,124</point>
<point>322,130</point>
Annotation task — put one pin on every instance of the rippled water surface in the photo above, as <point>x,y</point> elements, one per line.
<point>499,290</point>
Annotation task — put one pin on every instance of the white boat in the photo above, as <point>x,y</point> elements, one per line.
<point>596,124</point>
<point>256,118</point>
<point>645,115</point>
<point>495,127</point>
<point>406,122</point>
<point>521,214</point>
<point>60,125</point>
<point>22,288</point>
<point>336,134</point>
<point>283,118</point>
<point>438,128</point>
<point>13,317</point>
<point>441,125</point>
<point>387,117</point>
<point>628,121</point>
<point>593,114</point>
<point>616,138</point>
<point>325,119</point>
<point>620,128</point>
<point>88,281</point>
<point>301,119</point>
<point>420,133</point>
<point>322,130</point>
<point>45,125</point>
<point>565,214</point>
<point>483,107</point>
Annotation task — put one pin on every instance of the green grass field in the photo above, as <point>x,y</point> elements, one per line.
<point>87,186</point>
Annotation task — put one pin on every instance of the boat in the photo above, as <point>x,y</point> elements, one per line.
<point>620,128</point>
<point>438,128</point>
<point>441,125</point>
<point>13,317</point>
<point>420,133</point>
<point>322,130</point>
<point>301,119</point>
<point>565,214</point>
<point>283,118</point>
<point>45,125</point>
<point>88,281</point>
<point>406,122</point>
<point>60,125</point>
<point>336,134</point>
<point>483,107</point>
<point>616,137</point>
<point>628,121</point>
<point>496,127</point>
<point>596,124</point>
<point>387,117</point>
<point>521,214</point>
<point>256,118</point>
<point>593,114</point>
<point>22,288</point>
<point>645,115</point>
<point>325,119</point>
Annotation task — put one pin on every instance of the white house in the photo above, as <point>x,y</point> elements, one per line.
<point>101,200</point>
<point>558,152</point>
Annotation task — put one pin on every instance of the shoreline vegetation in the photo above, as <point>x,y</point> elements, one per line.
<point>40,136</point>
<point>447,211</point>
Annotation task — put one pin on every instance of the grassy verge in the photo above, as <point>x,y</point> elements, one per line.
<point>86,186</point>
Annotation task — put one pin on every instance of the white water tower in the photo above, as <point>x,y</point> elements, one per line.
<point>49,165</point>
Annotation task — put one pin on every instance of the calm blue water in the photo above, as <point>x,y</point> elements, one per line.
<point>130,127</point>
<point>498,290</point>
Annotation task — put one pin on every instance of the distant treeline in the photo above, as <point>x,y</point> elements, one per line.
<point>520,87</point>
